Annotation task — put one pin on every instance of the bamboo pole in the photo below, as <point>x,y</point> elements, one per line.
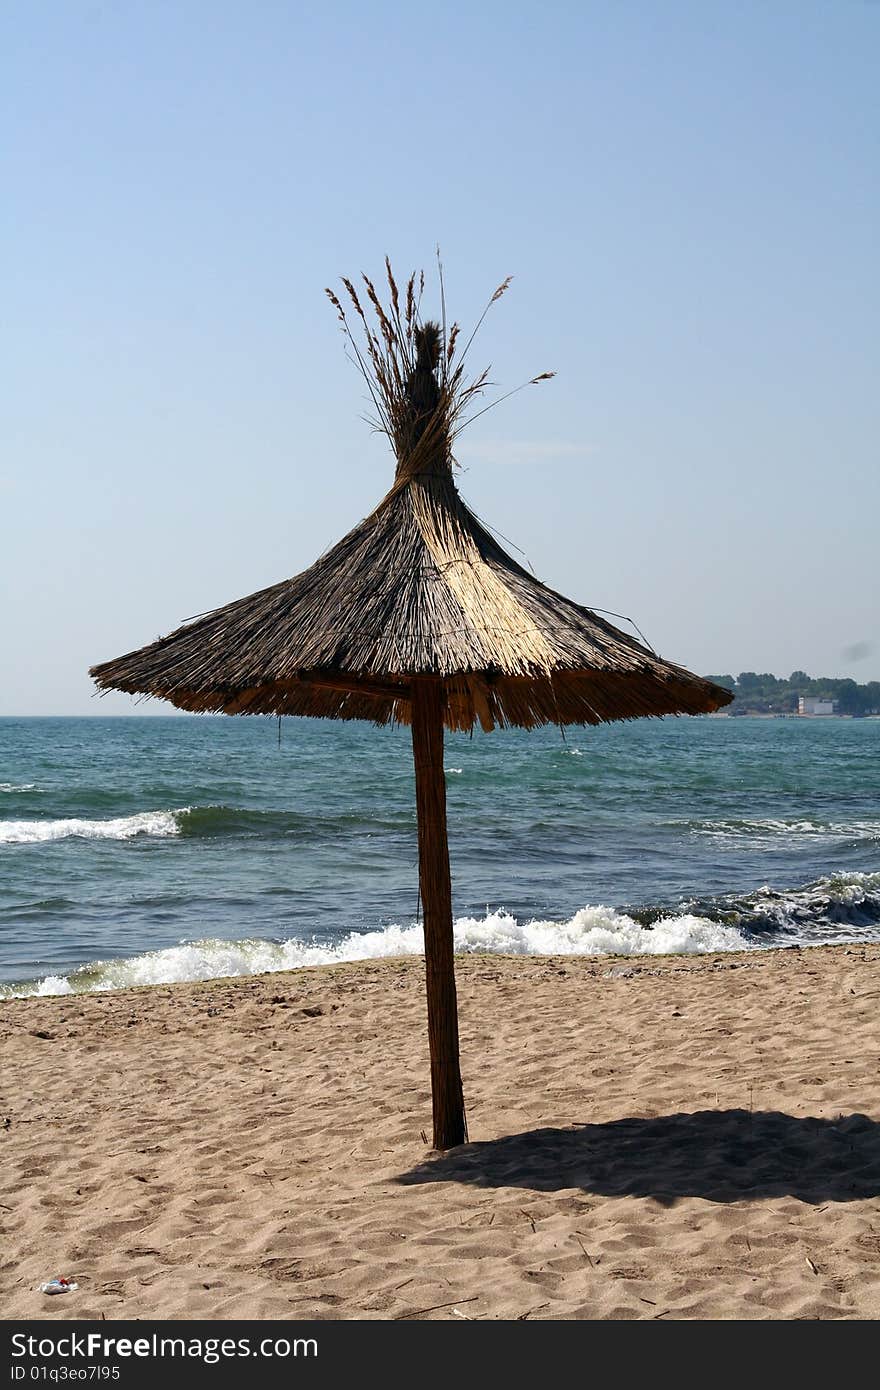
<point>450,1127</point>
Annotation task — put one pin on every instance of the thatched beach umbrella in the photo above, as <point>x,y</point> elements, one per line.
<point>418,617</point>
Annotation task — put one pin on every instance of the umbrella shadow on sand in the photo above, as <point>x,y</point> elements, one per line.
<point>721,1155</point>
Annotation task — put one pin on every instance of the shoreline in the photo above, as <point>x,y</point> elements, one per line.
<point>679,1136</point>
<point>640,962</point>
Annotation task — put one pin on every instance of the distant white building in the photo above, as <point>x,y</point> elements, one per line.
<point>808,704</point>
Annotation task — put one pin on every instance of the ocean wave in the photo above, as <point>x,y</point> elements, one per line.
<point>207,821</point>
<point>836,907</point>
<point>838,901</point>
<point>32,832</point>
<point>595,931</point>
<point>225,820</point>
<point>18,787</point>
<point>199,822</point>
<point>774,833</point>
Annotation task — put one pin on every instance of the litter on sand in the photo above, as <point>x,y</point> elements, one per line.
<point>59,1285</point>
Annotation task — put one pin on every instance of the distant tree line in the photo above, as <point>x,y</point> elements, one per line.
<point>767,694</point>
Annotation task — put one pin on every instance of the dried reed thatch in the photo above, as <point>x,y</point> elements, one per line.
<point>418,616</point>
<point>419,588</point>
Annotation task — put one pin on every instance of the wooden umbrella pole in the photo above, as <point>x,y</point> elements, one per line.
<point>450,1127</point>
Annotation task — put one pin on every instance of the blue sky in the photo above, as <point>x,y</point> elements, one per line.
<point>686,193</point>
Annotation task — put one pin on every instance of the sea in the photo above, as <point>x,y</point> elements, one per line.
<point>147,850</point>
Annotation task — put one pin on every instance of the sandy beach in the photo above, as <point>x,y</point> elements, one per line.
<point>668,1137</point>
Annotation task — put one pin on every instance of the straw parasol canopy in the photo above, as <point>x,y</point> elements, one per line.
<point>419,617</point>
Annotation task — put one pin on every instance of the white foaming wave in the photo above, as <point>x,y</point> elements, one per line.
<point>597,931</point>
<point>591,931</point>
<point>18,786</point>
<point>52,984</point>
<point>777,833</point>
<point>851,886</point>
<point>844,884</point>
<point>32,832</point>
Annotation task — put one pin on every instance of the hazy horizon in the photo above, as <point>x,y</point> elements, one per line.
<point>150,706</point>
